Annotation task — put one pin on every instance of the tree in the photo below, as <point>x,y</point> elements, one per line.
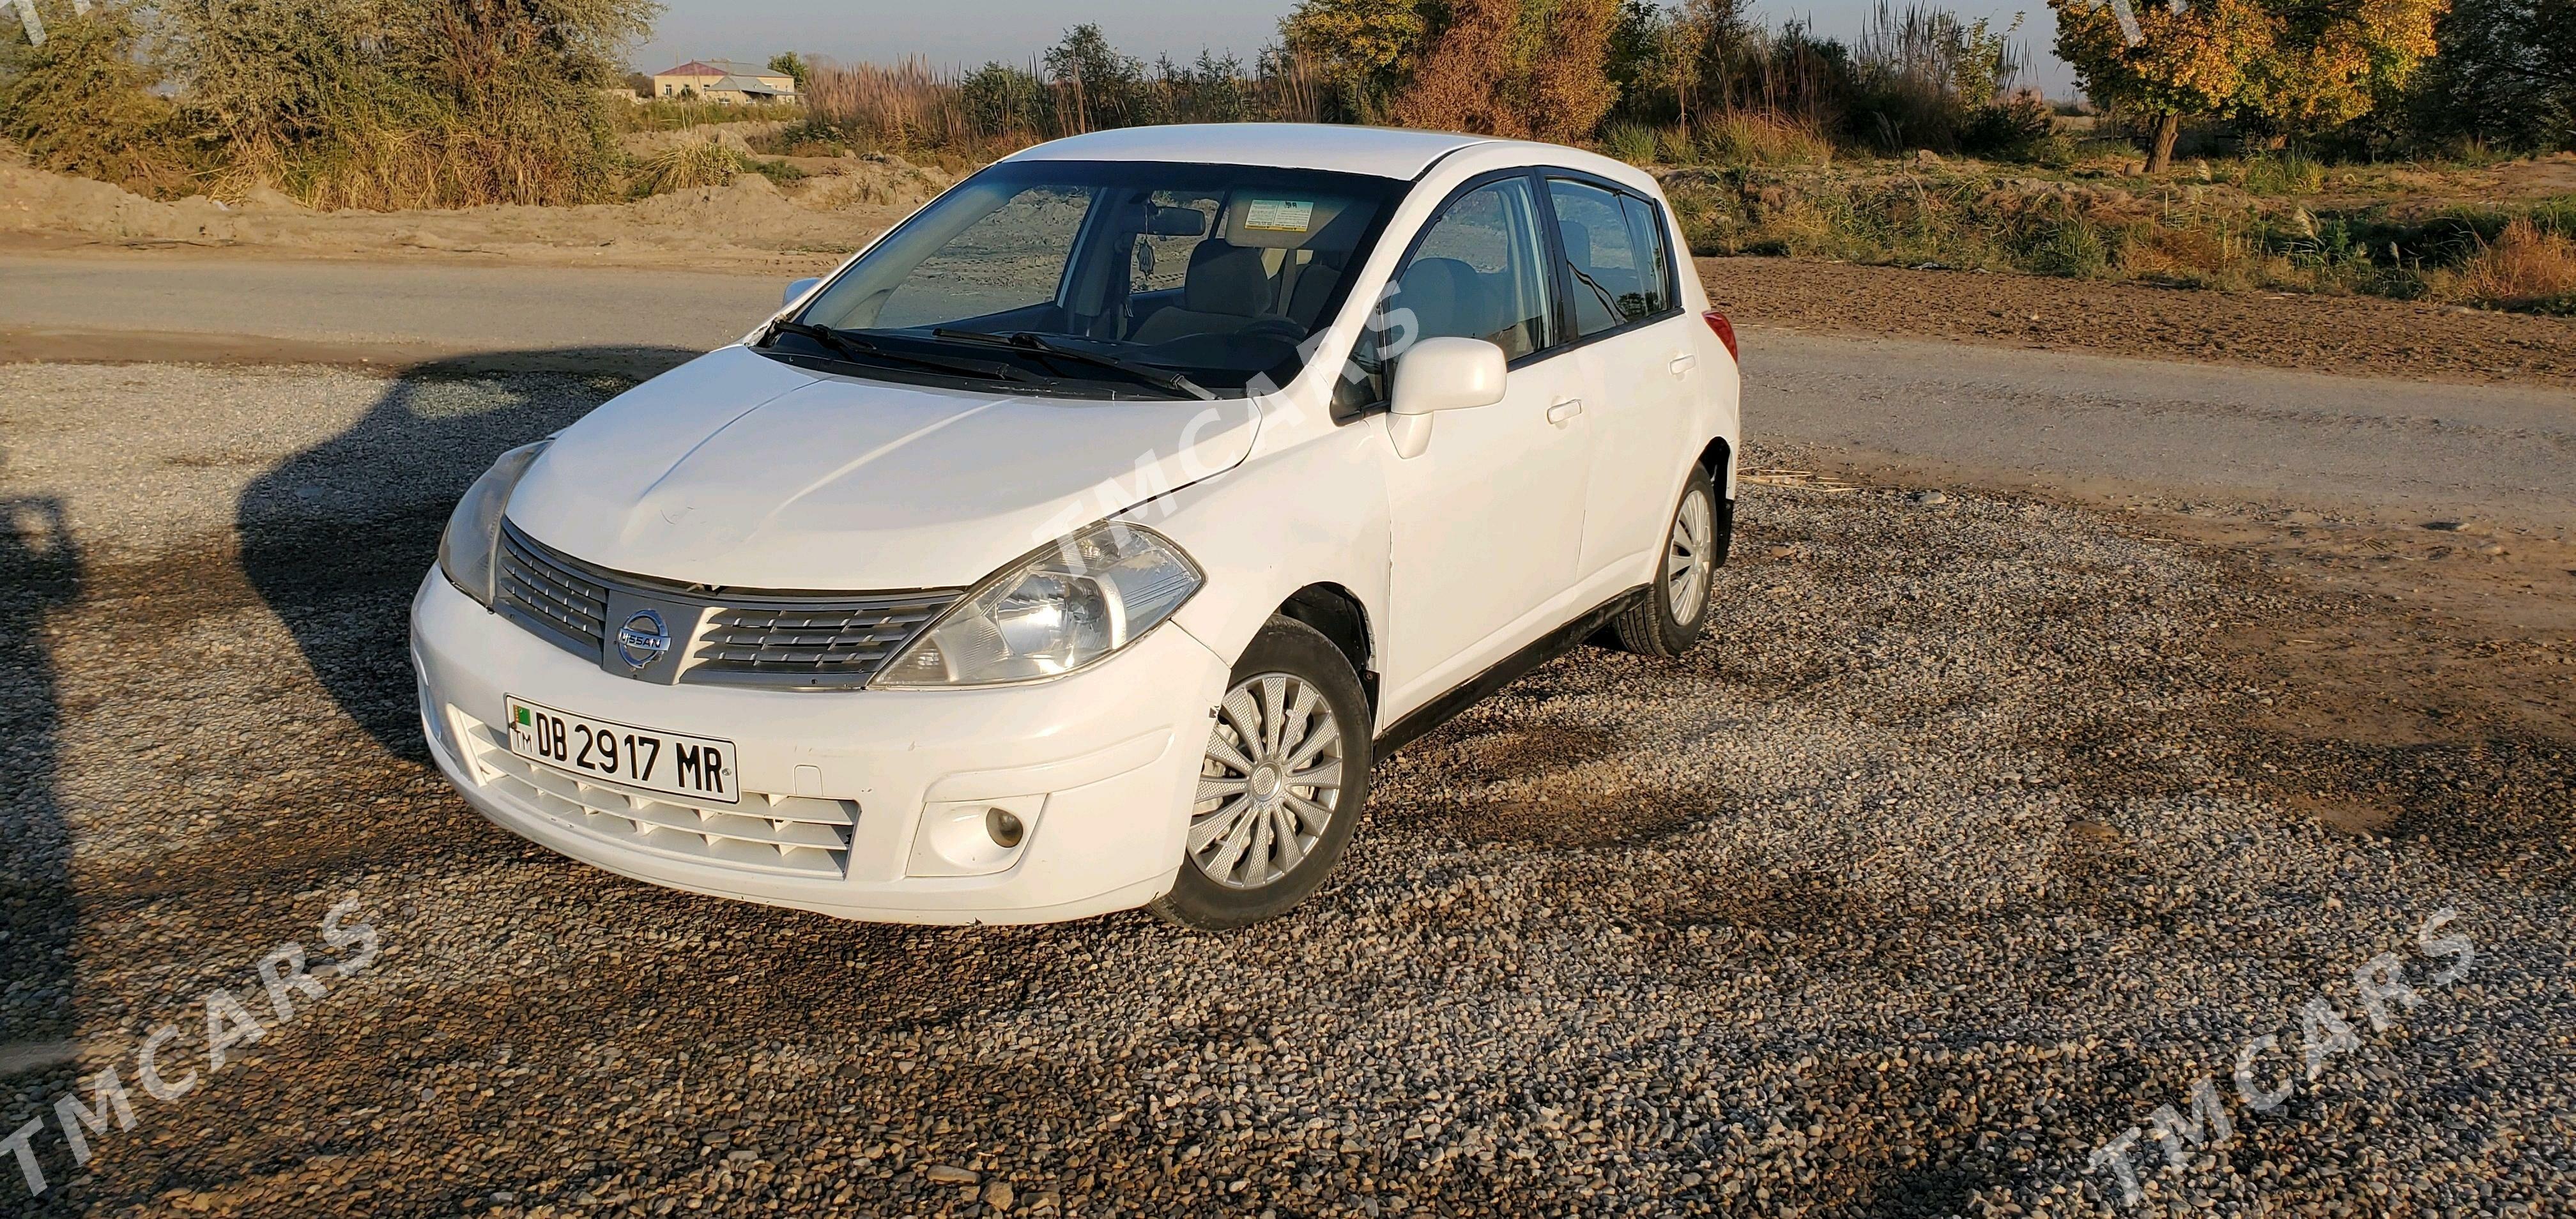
<point>1467,80</point>
<point>2279,66</point>
<point>2506,75</point>
<point>1570,86</point>
<point>1363,50</point>
<point>1006,101</point>
<point>791,65</point>
<point>1098,86</point>
<point>1517,68</point>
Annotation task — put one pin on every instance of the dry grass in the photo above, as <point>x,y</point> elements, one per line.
<point>2524,268</point>
<point>87,103</point>
<point>690,163</point>
<point>676,114</point>
<point>1752,137</point>
<point>907,105</point>
<point>2208,236</point>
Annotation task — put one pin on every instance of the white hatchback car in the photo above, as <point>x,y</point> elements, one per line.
<point>1081,543</point>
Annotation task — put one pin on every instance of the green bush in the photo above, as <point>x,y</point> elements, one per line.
<point>85,103</point>
<point>2288,172</point>
<point>411,103</point>
<point>1630,142</point>
<point>2015,128</point>
<point>2071,247</point>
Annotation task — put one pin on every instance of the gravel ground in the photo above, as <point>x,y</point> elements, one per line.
<point>1975,835</point>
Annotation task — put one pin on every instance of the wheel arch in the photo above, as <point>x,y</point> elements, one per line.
<point>1340,615</point>
<point>1719,460</point>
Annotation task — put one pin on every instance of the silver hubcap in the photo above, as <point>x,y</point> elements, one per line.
<point>1686,558</point>
<point>1270,784</point>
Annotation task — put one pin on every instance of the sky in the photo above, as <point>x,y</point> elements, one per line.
<point>969,32</point>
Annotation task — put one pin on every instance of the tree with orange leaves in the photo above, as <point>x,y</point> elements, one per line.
<point>2281,65</point>
<point>1523,68</point>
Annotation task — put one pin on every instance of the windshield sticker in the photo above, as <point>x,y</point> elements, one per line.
<point>1279,215</point>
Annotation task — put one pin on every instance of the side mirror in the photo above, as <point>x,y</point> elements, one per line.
<point>797,288</point>
<point>1443,374</point>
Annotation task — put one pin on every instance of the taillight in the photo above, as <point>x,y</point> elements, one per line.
<point>1725,331</point>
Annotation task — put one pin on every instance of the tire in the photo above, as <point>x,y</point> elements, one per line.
<point>1235,865</point>
<point>1655,625</point>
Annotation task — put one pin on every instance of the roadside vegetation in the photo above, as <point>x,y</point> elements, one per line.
<point>2235,143</point>
<point>391,104</point>
<point>2187,232</point>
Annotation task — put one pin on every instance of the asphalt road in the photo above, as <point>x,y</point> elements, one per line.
<point>2380,451</point>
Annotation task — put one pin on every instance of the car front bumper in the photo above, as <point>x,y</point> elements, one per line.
<point>1100,766</point>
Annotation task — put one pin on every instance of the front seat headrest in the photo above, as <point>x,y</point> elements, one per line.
<point>1442,293</point>
<point>1226,278</point>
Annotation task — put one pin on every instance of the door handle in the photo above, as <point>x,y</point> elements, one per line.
<point>1565,410</point>
<point>1683,363</point>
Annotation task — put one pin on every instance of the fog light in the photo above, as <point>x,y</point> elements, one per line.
<point>974,837</point>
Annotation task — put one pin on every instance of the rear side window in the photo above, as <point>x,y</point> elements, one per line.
<point>1619,269</point>
<point>1646,228</point>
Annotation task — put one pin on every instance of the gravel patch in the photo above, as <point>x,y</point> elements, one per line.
<point>1967,841</point>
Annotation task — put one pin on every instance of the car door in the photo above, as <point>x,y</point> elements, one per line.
<point>1487,522</point>
<point>1637,357</point>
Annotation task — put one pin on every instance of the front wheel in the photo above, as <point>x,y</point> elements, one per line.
<point>1280,784</point>
<point>1674,611</point>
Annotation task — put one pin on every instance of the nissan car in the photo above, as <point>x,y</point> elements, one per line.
<point>1083,542</point>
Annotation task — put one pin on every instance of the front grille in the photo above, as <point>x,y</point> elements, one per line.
<point>809,643</point>
<point>792,835</point>
<point>731,637</point>
<point>550,597</point>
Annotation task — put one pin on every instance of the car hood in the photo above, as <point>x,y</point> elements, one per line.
<point>743,471</point>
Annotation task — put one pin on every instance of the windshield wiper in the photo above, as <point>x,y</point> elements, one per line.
<point>1029,340</point>
<point>854,347</point>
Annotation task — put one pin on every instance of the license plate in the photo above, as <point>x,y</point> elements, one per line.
<point>699,768</point>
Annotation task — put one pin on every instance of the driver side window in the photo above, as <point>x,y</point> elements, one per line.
<point>1480,272</point>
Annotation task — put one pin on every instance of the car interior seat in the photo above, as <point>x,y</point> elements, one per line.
<point>1226,286</point>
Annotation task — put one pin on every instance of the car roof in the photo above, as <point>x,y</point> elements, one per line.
<point>1383,151</point>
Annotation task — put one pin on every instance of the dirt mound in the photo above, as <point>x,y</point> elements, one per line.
<point>875,180</point>
<point>32,200</point>
<point>749,203</point>
<point>844,202</point>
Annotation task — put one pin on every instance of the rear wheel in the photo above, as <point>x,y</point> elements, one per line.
<point>1280,785</point>
<point>1674,612</point>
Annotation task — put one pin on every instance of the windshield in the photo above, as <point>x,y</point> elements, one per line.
<point>1065,271</point>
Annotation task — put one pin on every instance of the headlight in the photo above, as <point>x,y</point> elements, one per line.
<point>467,551</point>
<point>1067,606</point>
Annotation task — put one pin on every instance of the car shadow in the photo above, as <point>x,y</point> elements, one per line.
<point>40,574</point>
<point>336,538</point>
